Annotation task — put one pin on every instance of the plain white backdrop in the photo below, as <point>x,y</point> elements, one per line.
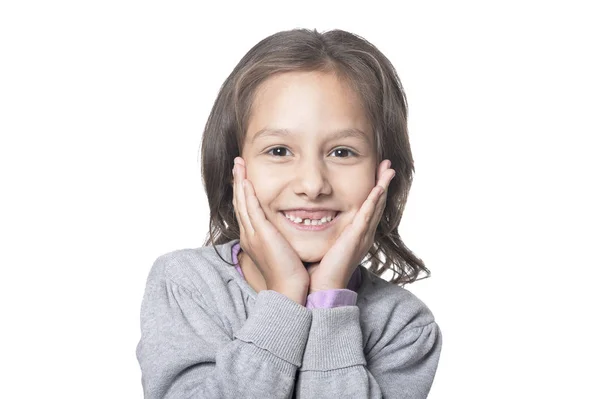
<point>102,107</point>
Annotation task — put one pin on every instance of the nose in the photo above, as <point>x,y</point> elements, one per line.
<point>312,179</point>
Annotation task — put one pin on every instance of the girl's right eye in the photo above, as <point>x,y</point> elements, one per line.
<point>278,151</point>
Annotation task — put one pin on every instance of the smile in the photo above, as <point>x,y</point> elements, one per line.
<point>310,224</point>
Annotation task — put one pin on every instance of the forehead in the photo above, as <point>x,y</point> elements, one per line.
<point>309,102</point>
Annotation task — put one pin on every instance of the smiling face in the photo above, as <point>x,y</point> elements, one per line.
<point>310,154</point>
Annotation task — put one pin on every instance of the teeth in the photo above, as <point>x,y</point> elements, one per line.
<point>310,222</point>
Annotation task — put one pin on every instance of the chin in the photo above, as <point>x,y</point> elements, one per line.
<point>310,252</point>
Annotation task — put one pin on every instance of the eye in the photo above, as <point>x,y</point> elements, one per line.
<point>343,153</point>
<point>278,151</point>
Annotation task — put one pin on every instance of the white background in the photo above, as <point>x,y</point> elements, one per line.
<point>102,107</point>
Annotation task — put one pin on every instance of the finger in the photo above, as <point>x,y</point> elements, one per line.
<point>386,177</point>
<point>383,166</point>
<point>369,214</point>
<point>235,205</point>
<point>378,191</point>
<point>364,215</point>
<point>241,199</point>
<point>255,211</point>
<point>239,160</point>
<point>384,184</point>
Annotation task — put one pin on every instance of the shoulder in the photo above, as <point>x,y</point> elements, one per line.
<point>384,303</point>
<point>194,269</point>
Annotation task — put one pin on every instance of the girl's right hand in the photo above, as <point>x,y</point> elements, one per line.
<point>275,258</point>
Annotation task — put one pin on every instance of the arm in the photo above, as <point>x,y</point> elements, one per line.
<point>185,352</point>
<point>401,363</point>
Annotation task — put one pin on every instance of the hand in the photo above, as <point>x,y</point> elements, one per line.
<point>275,258</point>
<point>344,256</point>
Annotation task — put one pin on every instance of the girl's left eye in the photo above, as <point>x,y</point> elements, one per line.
<point>343,153</point>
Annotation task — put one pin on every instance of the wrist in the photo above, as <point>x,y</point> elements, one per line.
<point>327,287</point>
<point>296,294</point>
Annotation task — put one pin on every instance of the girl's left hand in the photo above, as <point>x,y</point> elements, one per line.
<point>340,261</point>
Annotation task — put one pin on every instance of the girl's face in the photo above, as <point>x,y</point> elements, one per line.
<point>310,154</point>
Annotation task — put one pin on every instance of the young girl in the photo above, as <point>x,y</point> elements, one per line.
<point>307,167</point>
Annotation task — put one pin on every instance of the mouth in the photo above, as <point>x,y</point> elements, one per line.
<point>310,221</point>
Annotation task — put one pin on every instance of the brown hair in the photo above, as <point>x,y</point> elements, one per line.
<point>373,77</point>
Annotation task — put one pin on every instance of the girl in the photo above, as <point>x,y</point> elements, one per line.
<point>307,167</point>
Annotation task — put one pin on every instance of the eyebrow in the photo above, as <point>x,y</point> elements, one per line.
<point>340,134</point>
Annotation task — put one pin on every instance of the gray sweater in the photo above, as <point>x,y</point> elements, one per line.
<point>205,333</point>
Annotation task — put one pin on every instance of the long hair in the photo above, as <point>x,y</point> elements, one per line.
<point>374,79</point>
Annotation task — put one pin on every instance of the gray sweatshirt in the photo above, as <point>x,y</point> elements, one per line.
<point>205,333</point>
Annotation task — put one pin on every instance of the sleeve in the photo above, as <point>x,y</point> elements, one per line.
<point>185,351</point>
<point>402,364</point>
<point>331,299</point>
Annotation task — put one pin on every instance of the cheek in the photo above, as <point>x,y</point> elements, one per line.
<point>265,183</point>
<point>355,190</point>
